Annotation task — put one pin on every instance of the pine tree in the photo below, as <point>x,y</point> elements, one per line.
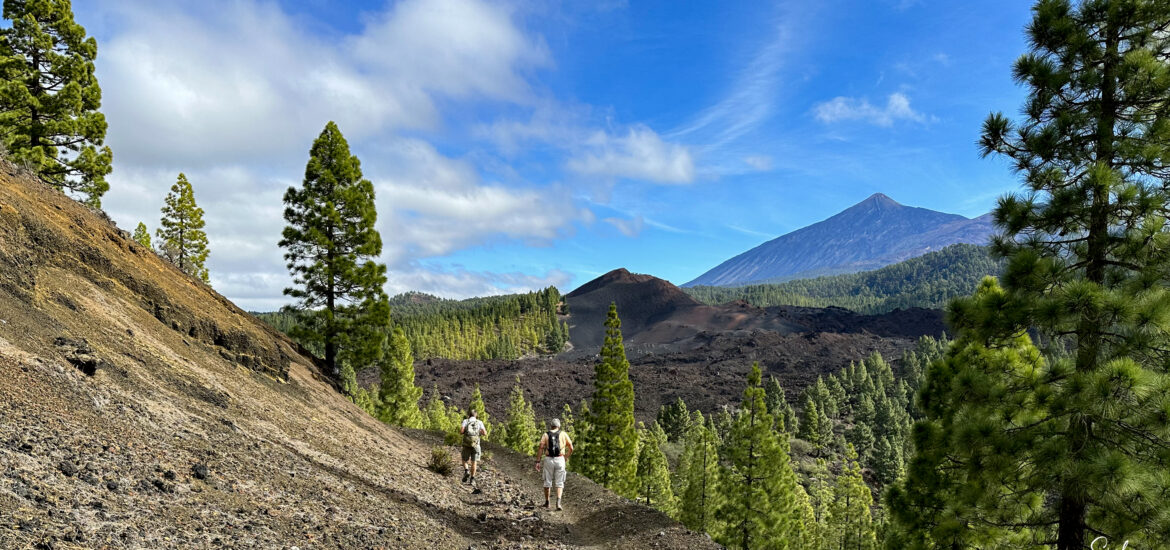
<point>520,429</point>
<point>142,236</point>
<point>568,423</point>
<point>699,495</point>
<point>443,418</point>
<point>349,384</point>
<point>674,418</point>
<point>476,404</point>
<point>610,456</point>
<point>851,524</point>
<point>653,473</point>
<point>807,532</point>
<point>49,98</point>
<point>181,234</point>
<point>820,495</point>
<point>398,394</point>
<point>330,244</point>
<point>810,423</point>
<point>582,433</point>
<point>759,486</point>
<point>1077,439</point>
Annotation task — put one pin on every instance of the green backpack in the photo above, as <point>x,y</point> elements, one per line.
<point>471,433</point>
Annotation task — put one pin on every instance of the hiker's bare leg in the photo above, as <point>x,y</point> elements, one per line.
<point>546,490</point>
<point>559,491</point>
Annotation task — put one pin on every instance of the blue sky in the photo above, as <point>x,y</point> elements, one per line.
<point>519,144</point>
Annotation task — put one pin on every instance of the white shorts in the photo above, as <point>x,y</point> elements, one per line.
<point>554,471</point>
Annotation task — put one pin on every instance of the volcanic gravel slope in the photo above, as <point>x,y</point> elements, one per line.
<point>140,409</point>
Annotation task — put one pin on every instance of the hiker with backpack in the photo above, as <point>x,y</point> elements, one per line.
<point>471,429</point>
<point>555,448</point>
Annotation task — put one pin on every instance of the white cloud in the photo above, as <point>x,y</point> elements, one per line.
<point>232,92</point>
<point>431,205</point>
<point>640,154</point>
<point>631,227</point>
<point>456,47</point>
<point>235,80</point>
<point>897,108</point>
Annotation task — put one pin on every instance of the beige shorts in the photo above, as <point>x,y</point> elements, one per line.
<point>471,453</point>
<point>553,470</point>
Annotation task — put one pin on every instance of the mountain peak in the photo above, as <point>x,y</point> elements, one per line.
<point>879,199</point>
<point>873,233</point>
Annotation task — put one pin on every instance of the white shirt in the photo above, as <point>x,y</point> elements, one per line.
<point>472,425</point>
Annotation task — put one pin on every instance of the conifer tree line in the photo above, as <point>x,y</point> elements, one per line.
<point>495,327</point>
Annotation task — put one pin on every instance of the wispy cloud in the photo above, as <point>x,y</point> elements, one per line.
<point>751,232</point>
<point>761,163</point>
<point>631,227</point>
<point>841,108</point>
<point>750,98</point>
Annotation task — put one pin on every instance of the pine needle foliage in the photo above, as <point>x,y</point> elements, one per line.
<point>653,475</point>
<point>181,236</point>
<point>759,487</point>
<point>331,245</point>
<point>1075,439</point>
<point>699,497</point>
<point>610,455</point>
<point>49,98</point>
<point>397,394</point>
<point>521,432</point>
<point>851,524</point>
<point>142,236</point>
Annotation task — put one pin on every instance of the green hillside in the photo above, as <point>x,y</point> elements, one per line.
<point>494,327</point>
<point>927,281</point>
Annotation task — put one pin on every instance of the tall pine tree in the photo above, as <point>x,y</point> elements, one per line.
<point>330,244</point>
<point>851,525</point>
<point>699,498</point>
<point>181,236</point>
<point>398,394</point>
<point>1088,255</point>
<point>759,486</point>
<point>49,98</point>
<point>610,456</point>
<point>520,429</point>
<point>653,473</point>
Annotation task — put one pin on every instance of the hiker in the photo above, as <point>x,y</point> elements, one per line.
<point>471,429</point>
<point>555,448</point>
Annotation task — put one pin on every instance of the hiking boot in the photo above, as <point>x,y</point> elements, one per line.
<point>547,504</point>
<point>559,507</point>
<point>466,476</point>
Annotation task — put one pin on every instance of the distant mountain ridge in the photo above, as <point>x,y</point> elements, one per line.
<point>928,281</point>
<point>873,233</point>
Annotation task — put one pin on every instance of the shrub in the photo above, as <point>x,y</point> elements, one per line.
<point>440,462</point>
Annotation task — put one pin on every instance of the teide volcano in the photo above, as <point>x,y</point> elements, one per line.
<point>870,234</point>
